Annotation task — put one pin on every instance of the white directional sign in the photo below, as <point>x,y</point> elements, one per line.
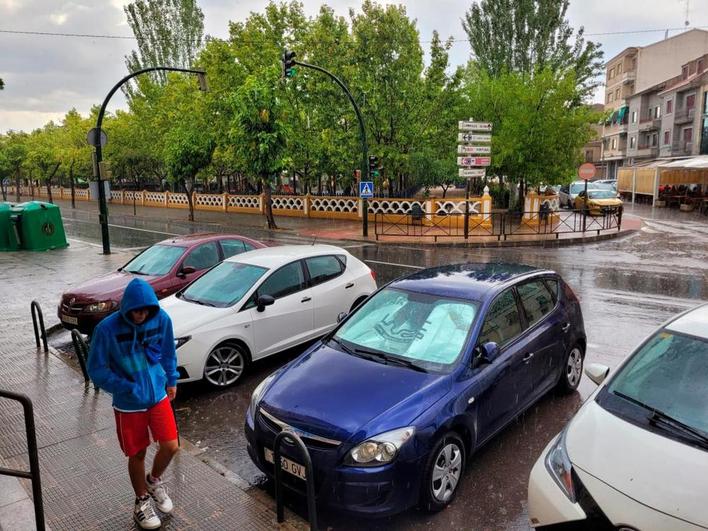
<point>466,172</point>
<point>472,137</point>
<point>474,161</point>
<point>474,126</point>
<point>474,150</point>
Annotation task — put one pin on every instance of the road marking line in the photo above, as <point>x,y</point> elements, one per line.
<point>392,264</point>
<point>125,227</point>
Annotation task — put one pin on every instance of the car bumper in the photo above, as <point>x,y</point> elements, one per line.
<point>548,504</point>
<point>83,322</point>
<point>365,491</point>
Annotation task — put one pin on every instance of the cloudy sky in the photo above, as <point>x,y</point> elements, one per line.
<point>45,76</point>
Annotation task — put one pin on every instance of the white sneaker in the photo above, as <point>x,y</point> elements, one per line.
<point>144,515</point>
<point>158,491</point>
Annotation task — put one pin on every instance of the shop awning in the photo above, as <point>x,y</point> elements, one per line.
<point>621,113</point>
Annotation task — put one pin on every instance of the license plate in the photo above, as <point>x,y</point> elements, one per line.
<point>286,464</point>
<point>69,319</point>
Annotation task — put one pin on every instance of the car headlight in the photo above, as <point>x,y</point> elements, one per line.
<point>381,449</point>
<point>181,341</point>
<point>560,468</point>
<point>258,391</point>
<point>99,307</point>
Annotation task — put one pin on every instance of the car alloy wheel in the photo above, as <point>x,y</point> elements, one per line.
<point>224,365</point>
<point>572,370</point>
<point>443,472</point>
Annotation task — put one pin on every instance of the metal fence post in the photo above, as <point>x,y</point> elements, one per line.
<point>309,479</point>
<point>37,314</point>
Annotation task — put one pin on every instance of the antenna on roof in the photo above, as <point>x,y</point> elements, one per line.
<point>314,240</point>
<point>686,17</point>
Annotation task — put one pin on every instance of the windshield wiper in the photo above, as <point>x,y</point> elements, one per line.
<point>135,272</point>
<point>341,345</point>
<point>196,301</point>
<point>660,419</point>
<point>388,360</point>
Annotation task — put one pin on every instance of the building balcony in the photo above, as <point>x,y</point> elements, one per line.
<point>682,148</point>
<point>629,77</point>
<point>646,151</point>
<point>615,129</point>
<point>647,124</point>
<point>613,154</point>
<point>684,115</point>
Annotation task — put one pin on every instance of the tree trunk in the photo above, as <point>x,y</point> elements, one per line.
<point>444,189</point>
<point>2,187</point>
<point>48,180</point>
<point>268,204</point>
<point>190,200</point>
<point>71,183</point>
<point>18,185</point>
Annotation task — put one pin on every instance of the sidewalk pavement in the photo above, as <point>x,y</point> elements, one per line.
<point>83,472</point>
<point>329,229</point>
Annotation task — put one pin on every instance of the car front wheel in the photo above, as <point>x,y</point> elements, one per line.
<point>443,473</point>
<point>572,370</point>
<point>225,364</point>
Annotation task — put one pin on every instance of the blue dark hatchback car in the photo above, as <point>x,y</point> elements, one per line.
<point>393,402</point>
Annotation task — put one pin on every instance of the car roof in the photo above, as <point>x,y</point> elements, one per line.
<point>188,240</point>
<point>475,281</point>
<point>272,257</point>
<point>693,322</point>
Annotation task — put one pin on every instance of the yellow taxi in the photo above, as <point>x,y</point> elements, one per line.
<point>599,201</point>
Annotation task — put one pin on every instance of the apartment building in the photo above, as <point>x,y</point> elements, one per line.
<point>635,83</point>
<point>592,151</point>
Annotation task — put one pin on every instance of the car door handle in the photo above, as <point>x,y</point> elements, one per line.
<point>565,327</point>
<point>350,285</point>
<point>528,356</point>
<point>306,299</point>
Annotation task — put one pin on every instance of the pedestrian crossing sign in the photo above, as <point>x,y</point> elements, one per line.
<point>366,189</point>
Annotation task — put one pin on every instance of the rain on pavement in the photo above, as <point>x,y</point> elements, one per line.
<point>627,287</point>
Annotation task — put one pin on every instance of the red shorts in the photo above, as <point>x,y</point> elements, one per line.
<point>132,428</point>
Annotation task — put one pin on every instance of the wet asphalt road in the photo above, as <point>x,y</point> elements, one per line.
<point>627,287</point>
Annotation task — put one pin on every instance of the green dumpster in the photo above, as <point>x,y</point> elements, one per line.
<point>8,236</point>
<point>39,226</point>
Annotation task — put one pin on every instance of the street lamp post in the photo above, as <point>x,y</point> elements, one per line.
<point>102,207</point>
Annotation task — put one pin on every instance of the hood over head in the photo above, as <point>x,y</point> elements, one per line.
<point>139,294</point>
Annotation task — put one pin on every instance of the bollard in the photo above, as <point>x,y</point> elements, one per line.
<point>37,313</point>
<point>81,350</point>
<point>309,479</point>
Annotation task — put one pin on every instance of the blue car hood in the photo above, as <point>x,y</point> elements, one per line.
<point>333,394</point>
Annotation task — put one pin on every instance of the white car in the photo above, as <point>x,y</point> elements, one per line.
<point>262,302</point>
<point>635,456</point>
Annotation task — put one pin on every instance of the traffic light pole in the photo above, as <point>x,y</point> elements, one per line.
<point>102,207</point>
<point>362,133</point>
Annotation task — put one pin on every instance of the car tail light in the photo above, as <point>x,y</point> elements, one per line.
<point>373,274</point>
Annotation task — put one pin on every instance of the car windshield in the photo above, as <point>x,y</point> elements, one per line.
<point>224,285</point>
<point>156,260</point>
<point>601,194</point>
<point>669,374</point>
<point>427,330</point>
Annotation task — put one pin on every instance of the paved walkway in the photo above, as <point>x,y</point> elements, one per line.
<point>329,229</point>
<point>84,474</point>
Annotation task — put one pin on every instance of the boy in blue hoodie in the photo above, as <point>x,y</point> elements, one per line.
<point>133,357</point>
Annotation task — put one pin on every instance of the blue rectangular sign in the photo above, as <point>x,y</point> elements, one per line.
<point>366,189</point>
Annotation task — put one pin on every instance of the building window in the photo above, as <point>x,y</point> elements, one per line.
<point>657,111</point>
<point>612,73</point>
<point>614,143</point>
<point>700,66</point>
<point>667,137</point>
<point>688,135</point>
<point>690,101</point>
<point>588,155</point>
<point>684,72</point>
<point>609,98</point>
<point>633,142</point>
<point>669,106</point>
<point>619,69</point>
<point>634,117</point>
<point>654,139</point>
<point>617,94</point>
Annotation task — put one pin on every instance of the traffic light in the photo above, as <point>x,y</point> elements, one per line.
<point>289,69</point>
<point>373,166</point>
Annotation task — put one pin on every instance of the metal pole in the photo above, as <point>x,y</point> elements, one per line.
<point>362,133</point>
<point>467,209</point>
<point>102,206</point>
<point>585,205</point>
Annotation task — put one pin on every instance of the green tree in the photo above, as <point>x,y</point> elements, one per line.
<point>43,154</point>
<point>169,33</point>
<point>259,132</point>
<point>74,151</point>
<point>527,36</point>
<point>14,152</point>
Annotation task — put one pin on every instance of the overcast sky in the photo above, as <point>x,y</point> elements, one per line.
<point>45,76</point>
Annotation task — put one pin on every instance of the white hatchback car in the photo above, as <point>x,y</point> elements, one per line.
<point>635,456</point>
<point>262,302</point>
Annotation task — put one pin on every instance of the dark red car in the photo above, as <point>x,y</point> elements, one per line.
<point>168,266</point>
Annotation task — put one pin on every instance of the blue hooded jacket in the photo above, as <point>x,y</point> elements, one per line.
<point>135,363</point>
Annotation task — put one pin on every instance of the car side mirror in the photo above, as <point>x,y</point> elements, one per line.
<point>488,352</point>
<point>263,301</point>
<point>186,270</point>
<point>597,372</point>
<point>341,316</point>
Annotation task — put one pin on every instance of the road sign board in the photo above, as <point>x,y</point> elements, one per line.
<point>92,138</point>
<point>474,150</point>
<point>466,172</point>
<point>474,126</point>
<point>366,189</point>
<point>586,171</point>
<point>472,137</point>
<point>474,161</point>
